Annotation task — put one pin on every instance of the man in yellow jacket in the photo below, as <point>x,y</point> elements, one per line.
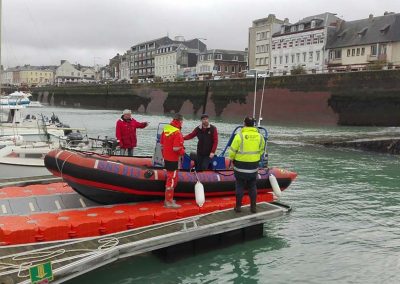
<point>246,151</point>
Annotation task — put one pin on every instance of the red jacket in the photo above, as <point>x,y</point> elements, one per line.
<point>125,131</point>
<point>172,141</point>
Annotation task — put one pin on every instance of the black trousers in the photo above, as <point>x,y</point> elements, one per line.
<point>246,181</point>
<point>202,163</point>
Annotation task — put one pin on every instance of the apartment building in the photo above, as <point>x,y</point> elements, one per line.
<point>221,62</point>
<point>259,45</point>
<point>354,45</point>
<point>170,59</point>
<point>301,44</point>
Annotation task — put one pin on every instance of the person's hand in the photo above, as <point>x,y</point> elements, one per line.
<point>146,123</point>
<point>212,155</point>
<point>230,165</point>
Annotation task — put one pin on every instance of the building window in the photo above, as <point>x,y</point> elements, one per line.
<point>233,69</point>
<point>317,54</point>
<point>219,68</point>
<point>218,56</point>
<point>235,58</point>
<point>293,29</point>
<point>348,53</point>
<point>358,51</point>
<point>268,34</point>
<point>353,52</point>
<point>310,56</point>
<point>275,60</point>
<point>304,56</point>
<point>226,69</point>
<point>312,24</point>
<point>301,27</point>
<point>280,59</point>
<point>209,57</point>
<point>258,37</point>
<point>298,57</point>
<point>362,51</point>
<point>286,59</point>
<point>374,50</point>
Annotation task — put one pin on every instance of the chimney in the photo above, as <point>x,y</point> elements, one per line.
<point>371,16</point>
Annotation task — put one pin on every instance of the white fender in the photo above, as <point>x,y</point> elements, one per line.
<point>199,193</point>
<point>275,186</point>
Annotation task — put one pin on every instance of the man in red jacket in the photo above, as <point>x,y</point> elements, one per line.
<point>207,135</point>
<point>126,132</point>
<point>172,149</point>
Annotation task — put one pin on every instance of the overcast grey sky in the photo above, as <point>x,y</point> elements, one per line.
<point>40,32</point>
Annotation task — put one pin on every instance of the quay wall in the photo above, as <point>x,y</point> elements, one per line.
<point>370,98</point>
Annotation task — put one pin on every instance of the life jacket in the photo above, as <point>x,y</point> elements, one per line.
<point>247,149</point>
<point>172,141</point>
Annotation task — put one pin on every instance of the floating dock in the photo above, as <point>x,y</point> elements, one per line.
<point>153,229</point>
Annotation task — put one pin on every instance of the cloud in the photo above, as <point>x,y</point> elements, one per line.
<point>45,31</point>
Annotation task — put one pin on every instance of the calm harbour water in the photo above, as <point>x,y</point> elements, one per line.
<point>343,229</point>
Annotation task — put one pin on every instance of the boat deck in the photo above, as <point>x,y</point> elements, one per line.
<point>75,257</point>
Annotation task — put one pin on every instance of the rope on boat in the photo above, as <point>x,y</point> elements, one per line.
<point>62,166</point>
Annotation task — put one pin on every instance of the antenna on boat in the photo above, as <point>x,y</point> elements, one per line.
<point>255,95</point>
<point>261,105</point>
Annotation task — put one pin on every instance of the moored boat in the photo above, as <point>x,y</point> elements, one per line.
<point>118,179</point>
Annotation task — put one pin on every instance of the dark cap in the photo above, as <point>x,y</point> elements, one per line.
<point>249,121</point>
<point>204,115</point>
<point>178,116</point>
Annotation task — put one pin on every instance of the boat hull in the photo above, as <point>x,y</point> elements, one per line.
<point>8,171</point>
<point>110,180</point>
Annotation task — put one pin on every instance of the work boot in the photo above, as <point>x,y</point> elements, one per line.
<point>238,207</point>
<point>171,204</point>
<point>253,207</point>
<point>169,201</point>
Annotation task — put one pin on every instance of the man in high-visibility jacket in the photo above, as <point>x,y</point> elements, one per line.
<point>172,149</point>
<point>246,150</point>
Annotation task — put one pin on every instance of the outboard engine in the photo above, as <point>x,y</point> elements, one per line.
<point>74,138</point>
<point>109,145</point>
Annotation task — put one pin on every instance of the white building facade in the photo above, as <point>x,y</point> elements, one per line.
<point>67,73</point>
<point>301,44</point>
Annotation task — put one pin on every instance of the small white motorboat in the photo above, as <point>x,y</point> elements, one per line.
<point>23,160</point>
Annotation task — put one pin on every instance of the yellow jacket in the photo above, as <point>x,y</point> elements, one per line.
<point>247,148</point>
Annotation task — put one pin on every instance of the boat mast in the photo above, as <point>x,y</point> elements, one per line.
<point>255,95</point>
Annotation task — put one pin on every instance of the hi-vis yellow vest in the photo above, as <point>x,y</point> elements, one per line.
<point>247,146</point>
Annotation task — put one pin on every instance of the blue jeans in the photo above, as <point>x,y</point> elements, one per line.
<point>126,152</point>
<point>246,181</point>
